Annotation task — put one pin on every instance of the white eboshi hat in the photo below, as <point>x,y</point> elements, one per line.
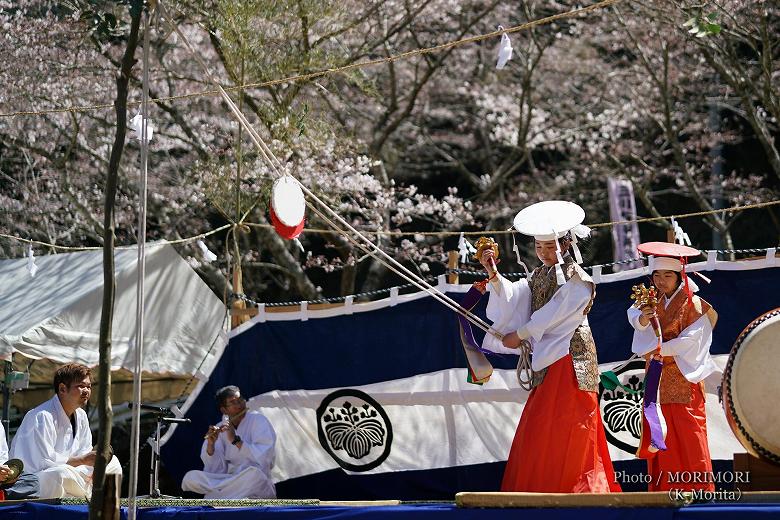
<point>551,220</point>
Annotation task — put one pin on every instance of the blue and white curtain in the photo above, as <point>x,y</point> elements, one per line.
<point>371,400</point>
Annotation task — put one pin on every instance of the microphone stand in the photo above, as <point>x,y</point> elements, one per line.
<point>161,415</point>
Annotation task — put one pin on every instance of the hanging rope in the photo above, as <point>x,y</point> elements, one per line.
<point>94,248</point>
<point>372,248</point>
<point>419,283</point>
<point>333,70</point>
<point>733,209</point>
<point>276,165</point>
<point>469,272</point>
<point>525,374</point>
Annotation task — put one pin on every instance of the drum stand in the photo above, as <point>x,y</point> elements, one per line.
<point>154,475</point>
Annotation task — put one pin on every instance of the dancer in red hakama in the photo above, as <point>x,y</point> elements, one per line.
<point>560,445</point>
<point>685,322</point>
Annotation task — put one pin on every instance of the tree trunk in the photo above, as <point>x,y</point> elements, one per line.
<point>109,286</point>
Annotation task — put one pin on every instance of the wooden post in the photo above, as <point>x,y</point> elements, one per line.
<point>237,319</point>
<point>763,475</point>
<point>670,236</point>
<point>452,263</point>
<point>111,494</point>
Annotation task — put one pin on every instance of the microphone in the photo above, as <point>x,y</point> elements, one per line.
<point>151,407</point>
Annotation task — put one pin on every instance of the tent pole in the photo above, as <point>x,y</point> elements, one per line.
<point>132,490</point>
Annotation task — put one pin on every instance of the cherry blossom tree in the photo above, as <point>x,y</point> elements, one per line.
<point>436,142</point>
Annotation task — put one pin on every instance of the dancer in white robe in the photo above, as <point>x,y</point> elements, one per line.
<point>54,440</point>
<point>237,455</point>
<point>560,445</point>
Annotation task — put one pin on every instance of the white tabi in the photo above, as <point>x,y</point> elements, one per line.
<point>550,329</point>
<point>237,473</point>
<point>45,442</point>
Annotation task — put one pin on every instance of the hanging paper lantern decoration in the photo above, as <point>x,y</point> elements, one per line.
<point>288,232</point>
<point>288,208</point>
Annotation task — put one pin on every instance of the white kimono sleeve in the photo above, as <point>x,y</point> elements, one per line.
<point>644,340</point>
<point>83,435</point>
<point>509,306</point>
<point>35,443</point>
<point>691,350</point>
<point>215,463</point>
<point>550,328</point>
<point>259,447</point>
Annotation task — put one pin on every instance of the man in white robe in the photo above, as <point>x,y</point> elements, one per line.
<point>237,454</point>
<point>54,440</point>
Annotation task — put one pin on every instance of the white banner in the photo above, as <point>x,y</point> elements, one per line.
<point>434,420</point>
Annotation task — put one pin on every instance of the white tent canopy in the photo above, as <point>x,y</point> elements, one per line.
<point>55,315</point>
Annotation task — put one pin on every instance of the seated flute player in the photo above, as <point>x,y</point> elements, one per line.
<point>237,454</point>
<point>15,484</point>
<point>54,440</point>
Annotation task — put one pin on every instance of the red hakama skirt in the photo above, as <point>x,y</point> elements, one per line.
<point>686,463</point>
<point>560,445</point>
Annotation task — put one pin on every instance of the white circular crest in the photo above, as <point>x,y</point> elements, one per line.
<point>621,407</point>
<point>287,201</point>
<point>354,429</point>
